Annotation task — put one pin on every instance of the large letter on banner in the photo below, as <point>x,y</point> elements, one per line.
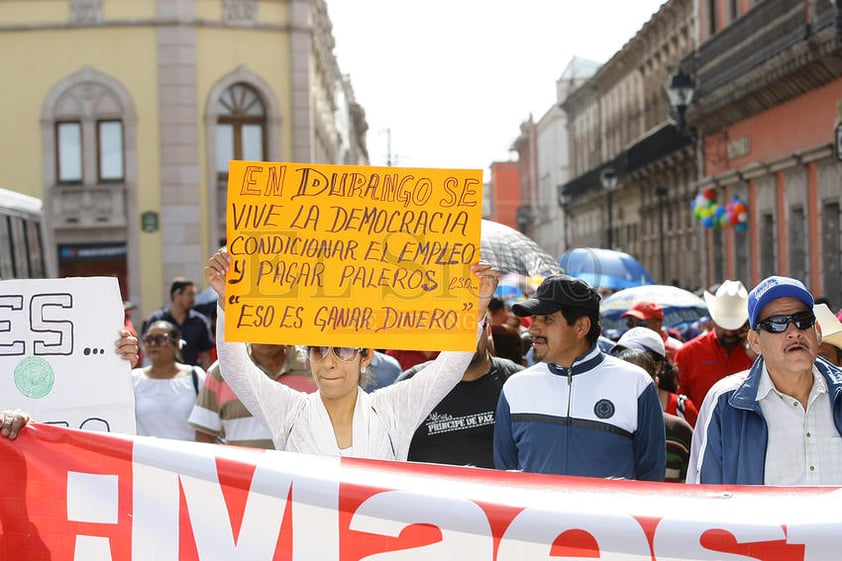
<point>70,495</point>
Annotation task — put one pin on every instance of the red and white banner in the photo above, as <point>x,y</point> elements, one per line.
<point>69,495</point>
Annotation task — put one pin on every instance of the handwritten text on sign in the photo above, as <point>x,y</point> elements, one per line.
<point>57,358</point>
<point>354,256</point>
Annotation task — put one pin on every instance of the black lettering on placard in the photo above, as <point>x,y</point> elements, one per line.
<point>284,235</point>
<point>45,323</point>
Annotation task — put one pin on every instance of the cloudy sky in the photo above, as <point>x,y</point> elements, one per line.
<point>450,81</point>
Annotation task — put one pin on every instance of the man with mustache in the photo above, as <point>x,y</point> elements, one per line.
<point>780,422</point>
<point>721,351</point>
<point>577,411</point>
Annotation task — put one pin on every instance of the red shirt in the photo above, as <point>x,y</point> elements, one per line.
<point>689,411</point>
<point>408,359</point>
<point>703,361</point>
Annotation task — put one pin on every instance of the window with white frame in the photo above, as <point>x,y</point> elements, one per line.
<point>69,151</point>
<point>240,128</point>
<point>110,150</point>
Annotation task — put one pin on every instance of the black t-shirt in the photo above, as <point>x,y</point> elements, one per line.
<point>460,430</point>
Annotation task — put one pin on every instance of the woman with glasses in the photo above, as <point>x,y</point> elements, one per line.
<point>340,419</point>
<point>166,390</point>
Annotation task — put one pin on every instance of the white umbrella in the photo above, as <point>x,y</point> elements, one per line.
<point>679,305</point>
<point>511,251</point>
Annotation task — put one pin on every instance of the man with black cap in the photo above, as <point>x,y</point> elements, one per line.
<point>577,411</point>
<point>780,422</point>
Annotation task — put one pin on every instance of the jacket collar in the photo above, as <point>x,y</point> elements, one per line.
<point>745,396</point>
<point>582,364</point>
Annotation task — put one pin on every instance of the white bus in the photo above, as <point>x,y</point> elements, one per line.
<point>21,237</point>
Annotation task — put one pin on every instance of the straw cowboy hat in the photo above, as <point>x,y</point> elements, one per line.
<point>729,307</point>
<point>831,326</point>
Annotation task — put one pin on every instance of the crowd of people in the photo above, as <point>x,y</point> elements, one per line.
<point>752,399</point>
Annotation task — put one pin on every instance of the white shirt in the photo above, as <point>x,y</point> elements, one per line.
<point>804,447</point>
<point>162,405</point>
<point>384,421</point>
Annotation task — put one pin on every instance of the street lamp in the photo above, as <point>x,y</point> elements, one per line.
<point>680,92</point>
<point>661,193</point>
<point>608,178</point>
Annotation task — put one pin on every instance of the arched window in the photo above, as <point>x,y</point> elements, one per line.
<point>240,127</point>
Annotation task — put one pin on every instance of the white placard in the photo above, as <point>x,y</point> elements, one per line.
<point>58,360</point>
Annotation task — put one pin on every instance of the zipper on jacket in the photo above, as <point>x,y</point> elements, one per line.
<point>567,419</point>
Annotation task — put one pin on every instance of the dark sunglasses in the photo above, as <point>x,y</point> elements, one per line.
<point>634,322</point>
<point>159,339</point>
<point>779,324</point>
<point>345,354</point>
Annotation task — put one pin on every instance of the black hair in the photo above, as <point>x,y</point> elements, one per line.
<point>507,343</point>
<point>178,285</point>
<point>640,358</point>
<point>495,304</point>
<point>572,314</point>
<point>366,374</point>
<point>172,332</point>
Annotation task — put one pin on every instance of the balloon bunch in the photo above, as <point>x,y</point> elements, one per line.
<point>713,215</point>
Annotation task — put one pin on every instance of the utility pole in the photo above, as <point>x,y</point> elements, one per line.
<point>389,147</point>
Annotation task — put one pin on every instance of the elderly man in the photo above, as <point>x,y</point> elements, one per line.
<point>577,411</point>
<point>780,422</point>
<point>721,351</point>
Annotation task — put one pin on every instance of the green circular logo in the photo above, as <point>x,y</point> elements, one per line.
<point>34,377</point>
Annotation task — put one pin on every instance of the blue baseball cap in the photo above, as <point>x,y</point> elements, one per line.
<point>772,288</point>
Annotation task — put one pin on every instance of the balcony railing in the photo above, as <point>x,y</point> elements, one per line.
<point>769,28</point>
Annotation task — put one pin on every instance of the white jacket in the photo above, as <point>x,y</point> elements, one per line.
<point>384,421</point>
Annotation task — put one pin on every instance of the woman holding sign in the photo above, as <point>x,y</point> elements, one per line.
<point>340,419</point>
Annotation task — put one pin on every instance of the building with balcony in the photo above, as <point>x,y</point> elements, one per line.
<point>767,110</point>
<point>620,127</point>
<point>122,116</point>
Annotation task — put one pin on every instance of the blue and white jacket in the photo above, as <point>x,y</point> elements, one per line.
<point>729,441</point>
<point>600,418</point>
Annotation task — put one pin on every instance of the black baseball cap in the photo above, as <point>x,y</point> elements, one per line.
<point>558,292</point>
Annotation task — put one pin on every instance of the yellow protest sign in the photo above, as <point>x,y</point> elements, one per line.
<point>353,255</point>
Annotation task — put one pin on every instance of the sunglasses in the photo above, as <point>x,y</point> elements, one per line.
<point>159,339</point>
<point>779,324</point>
<point>345,354</point>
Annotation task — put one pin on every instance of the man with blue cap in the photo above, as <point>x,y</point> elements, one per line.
<point>780,422</point>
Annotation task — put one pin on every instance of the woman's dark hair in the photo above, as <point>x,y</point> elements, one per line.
<point>668,379</point>
<point>366,374</point>
<point>640,358</point>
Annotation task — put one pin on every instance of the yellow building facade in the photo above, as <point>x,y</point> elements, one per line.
<point>122,115</point>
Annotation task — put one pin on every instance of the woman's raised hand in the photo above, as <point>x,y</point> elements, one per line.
<point>215,272</point>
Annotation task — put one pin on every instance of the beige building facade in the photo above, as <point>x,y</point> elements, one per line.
<point>122,115</point>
